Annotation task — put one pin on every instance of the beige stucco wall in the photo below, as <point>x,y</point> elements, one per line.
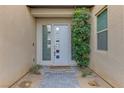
<point>17,33</point>
<point>110,64</point>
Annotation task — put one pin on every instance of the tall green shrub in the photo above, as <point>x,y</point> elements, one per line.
<point>81,36</point>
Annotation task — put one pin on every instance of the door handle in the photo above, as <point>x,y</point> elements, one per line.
<point>54,53</point>
<point>54,50</point>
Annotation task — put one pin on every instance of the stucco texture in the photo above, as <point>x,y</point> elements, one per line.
<point>17,33</point>
<point>109,64</point>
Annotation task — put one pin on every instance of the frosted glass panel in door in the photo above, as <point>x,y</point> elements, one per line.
<point>46,43</point>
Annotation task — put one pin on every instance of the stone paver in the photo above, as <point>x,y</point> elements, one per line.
<point>59,78</point>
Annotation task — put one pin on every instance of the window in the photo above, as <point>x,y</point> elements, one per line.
<point>102,31</point>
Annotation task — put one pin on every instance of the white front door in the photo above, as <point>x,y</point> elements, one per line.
<point>54,44</point>
<point>61,41</point>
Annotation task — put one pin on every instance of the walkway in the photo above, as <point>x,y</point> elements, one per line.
<point>58,77</point>
<point>61,77</point>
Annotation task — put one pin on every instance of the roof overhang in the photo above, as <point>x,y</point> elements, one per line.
<point>59,6</point>
<point>54,11</point>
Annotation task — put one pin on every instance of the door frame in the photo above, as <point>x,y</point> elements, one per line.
<point>39,44</point>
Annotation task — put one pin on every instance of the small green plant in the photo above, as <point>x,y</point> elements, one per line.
<point>86,73</point>
<point>35,69</point>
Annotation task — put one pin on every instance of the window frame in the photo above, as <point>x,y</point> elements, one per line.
<point>103,30</point>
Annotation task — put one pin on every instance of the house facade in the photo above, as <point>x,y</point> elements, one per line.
<point>42,34</point>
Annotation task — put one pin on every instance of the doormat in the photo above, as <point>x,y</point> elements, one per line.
<point>59,79</point>
<point>59,69</point>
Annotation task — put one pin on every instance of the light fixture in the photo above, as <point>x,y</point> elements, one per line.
<point>57,28</point>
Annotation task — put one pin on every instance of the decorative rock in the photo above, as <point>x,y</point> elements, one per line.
<point>25,84</point>
<point>92,83</point>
